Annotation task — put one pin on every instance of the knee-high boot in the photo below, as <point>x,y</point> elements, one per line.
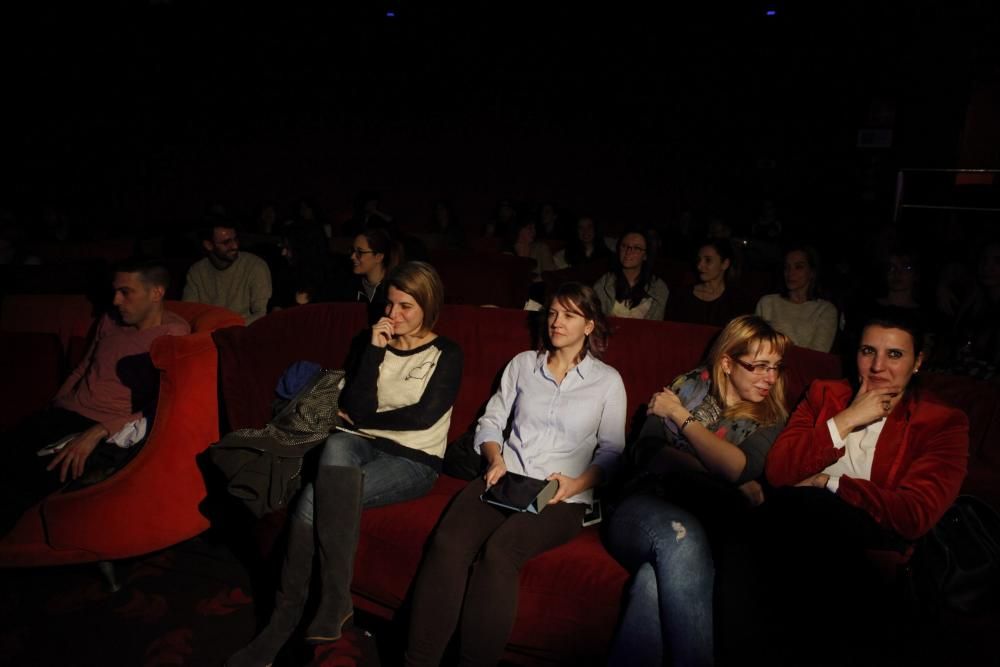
<point>290,600</point>
<point>337,521</point>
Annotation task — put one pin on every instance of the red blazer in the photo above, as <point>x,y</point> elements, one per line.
<point>919,463</point>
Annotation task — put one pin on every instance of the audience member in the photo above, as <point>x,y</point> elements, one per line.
<point>631,289</point>
<point>715,299</point>
<point>503,220</point>
<point>972,346</point>
<point>446,226</point>
<point>697,464</point>
<point>266,221</point>
<point>98,413</point>
<point>586,246</point>
<point>568,411</point>
<point>399,399</point>
<point>902,279</point>
<point>226,277</point>
<point>870,464</point>
<point>550,224</point>
<point>522,242</point>
<point>797,312</point>
<point>307,275</point>
<point>373,256</point>
<point>368,215</point>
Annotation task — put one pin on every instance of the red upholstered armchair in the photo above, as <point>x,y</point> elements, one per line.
<point>153,502</point>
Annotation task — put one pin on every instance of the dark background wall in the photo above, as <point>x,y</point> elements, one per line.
<point>138,114</point>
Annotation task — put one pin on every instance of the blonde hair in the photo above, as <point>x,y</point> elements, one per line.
<point>741,335</point>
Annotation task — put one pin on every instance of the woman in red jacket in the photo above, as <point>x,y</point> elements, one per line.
<point>887,448</point>
<point>871,467</point>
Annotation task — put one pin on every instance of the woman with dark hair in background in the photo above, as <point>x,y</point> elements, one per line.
<point>373,255</point>
<point>797,311</point>
<point>568,411</point>
<point>715,299</point>
<point>586,246</point>
<point>522,242</point>
<point>631,289</point>
<point>902,279</point>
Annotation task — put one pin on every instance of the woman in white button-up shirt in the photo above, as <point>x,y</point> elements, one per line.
<point>568,425</point>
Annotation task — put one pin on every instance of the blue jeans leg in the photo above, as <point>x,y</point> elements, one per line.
<point>668,550</point>
<point>387,479</point>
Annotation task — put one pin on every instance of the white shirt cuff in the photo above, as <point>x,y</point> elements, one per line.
<point>838,442</point>
<point>833,484</point>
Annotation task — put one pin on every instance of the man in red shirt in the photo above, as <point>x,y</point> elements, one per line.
<point>105,397</point>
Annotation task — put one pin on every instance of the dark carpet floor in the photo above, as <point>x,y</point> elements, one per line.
<point>191,605</point>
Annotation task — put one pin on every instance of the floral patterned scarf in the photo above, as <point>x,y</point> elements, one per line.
<point>694,390</point>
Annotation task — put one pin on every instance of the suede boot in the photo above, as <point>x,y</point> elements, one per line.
<point>337,520</point>
<point>289,601</point>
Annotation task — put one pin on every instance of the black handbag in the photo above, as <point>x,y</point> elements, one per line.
<point>263,467</point>
<point>957,564</point>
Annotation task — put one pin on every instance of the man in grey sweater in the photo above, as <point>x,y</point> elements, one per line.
<point>238,281</point>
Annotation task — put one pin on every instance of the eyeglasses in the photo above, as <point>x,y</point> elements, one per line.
<point>360,252</point>
<point>633,248</point>
<point>760,368</point>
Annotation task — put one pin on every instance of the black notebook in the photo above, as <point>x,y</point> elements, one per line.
<point>521,494</point>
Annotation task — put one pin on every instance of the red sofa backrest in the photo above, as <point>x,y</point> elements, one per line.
<point>647,354</point>
<point>65,315</point>
<point>480,278</point>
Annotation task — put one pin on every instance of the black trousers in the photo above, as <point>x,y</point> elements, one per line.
<point>24,480</point>
<point>469,577</point>
<point>799,588</point>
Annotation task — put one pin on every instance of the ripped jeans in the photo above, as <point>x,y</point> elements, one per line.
<point>387,478</point>
<point>669,602</point>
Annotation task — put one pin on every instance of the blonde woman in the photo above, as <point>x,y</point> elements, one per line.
<point>708,433</point>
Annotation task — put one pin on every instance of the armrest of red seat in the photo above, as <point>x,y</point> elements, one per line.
<point>153,502</point>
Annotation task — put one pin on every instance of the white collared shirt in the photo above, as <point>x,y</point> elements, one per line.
<point>857,460</point>
<point>558,427</point>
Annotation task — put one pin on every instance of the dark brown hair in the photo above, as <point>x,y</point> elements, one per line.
<point>585,301</point>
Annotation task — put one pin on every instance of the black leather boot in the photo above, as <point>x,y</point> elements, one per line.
<point>289,601</point>
<point>337,519</point>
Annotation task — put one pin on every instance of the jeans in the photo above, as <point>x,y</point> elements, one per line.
<point>387,478</point>
<point>669,605</point>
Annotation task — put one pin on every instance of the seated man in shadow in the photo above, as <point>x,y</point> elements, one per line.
<point>99,410</point>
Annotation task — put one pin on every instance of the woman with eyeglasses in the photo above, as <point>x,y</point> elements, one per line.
<point>373,255</point>
<point>865,465</point>
<point>696,465</point>
<point>631,289</point>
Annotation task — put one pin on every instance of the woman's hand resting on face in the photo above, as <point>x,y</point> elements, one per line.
<point>382,332</point>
